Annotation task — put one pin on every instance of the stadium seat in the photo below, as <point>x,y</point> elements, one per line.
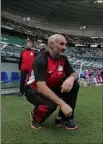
<point>4,77</point>
<point>15,77</point>
<point>81,75</point>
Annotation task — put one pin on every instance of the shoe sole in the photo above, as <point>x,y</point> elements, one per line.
<point>32,120</point>
<point>59,125</point>
<point>35,127</point>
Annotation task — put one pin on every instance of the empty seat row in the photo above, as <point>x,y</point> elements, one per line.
<point>15,77</point>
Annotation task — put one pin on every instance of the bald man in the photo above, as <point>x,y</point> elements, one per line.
<point>53,83</point>
<point>42,47</point>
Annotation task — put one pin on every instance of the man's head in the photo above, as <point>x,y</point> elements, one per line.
<point>42,46</point>
<point>57,44</point>
<point>29,44</point>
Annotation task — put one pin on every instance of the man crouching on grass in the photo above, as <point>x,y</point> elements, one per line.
<point>53,83</point>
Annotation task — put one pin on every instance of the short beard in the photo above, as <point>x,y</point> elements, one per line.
<point>57,56</point>
<point>54,55</point>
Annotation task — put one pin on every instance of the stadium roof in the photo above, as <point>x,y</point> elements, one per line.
<point>59,15</point>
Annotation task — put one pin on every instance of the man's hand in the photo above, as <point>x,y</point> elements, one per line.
<point>66,109</point>
<point>67,84</point>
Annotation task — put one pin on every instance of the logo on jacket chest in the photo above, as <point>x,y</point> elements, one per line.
<point>31,54</point>
<point>60,68</point>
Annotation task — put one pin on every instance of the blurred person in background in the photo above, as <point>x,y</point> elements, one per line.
<point>95,77</point>
<point>52,83</point>
<point>27,57</point>
<point>100,80</point>
<point>91,78</point>
<point>42,47</point>
<point>87,75</point>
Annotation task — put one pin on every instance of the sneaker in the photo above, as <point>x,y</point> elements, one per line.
<point>34,123</point>
<point>68,124</point>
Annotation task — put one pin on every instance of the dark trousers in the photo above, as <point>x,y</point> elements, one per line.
<point>46,106</point>
<point>22,81</point>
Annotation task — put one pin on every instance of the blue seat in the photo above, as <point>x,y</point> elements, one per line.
<point>81,75</point>
<point>15,77</point>
<point>4,77</point>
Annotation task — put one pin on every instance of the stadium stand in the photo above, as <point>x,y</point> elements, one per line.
<point>12,39</point>
<point>85,52</point>
<point>39,33</point>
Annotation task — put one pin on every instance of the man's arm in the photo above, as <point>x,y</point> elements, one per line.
<point>47,92</point>
<point>74,75</point>
<point>71,77</point>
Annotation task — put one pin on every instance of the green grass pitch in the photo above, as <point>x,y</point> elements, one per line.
<point>16,128</point>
